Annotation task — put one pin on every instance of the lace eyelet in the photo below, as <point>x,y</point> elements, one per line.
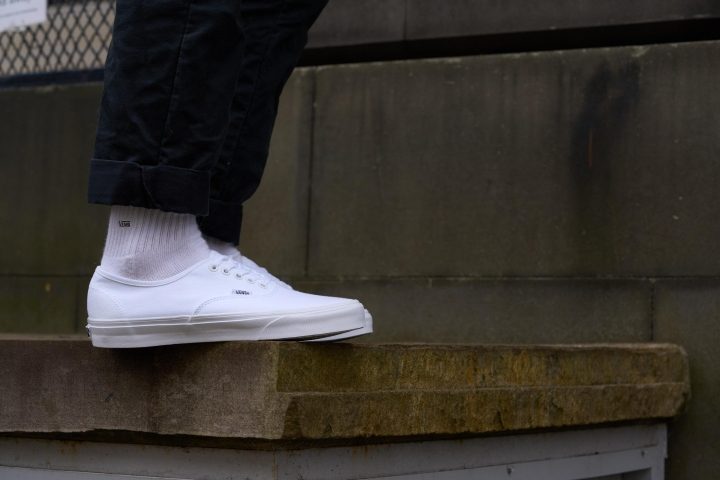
<point>213,268</point>
<point>250,280</point>
<point>263,285</point>
<point>226,271</point>
<point>238,276</point>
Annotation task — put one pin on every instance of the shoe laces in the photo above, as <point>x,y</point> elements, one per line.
<point>248,263</point>
<point>228,264</point>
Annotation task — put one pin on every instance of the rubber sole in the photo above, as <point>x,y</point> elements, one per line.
<point>150,332</point>
<point>367,329</point>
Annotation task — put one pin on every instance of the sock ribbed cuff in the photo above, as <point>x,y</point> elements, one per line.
<point>147,244</point>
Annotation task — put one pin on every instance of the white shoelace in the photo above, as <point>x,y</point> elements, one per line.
<point>227,264</point>
<point>248,263</point>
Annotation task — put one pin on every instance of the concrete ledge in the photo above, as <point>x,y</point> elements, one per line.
<point>268,395</point>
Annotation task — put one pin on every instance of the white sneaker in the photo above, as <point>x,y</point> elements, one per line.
<point>366,329</point>
<point>218,299</point>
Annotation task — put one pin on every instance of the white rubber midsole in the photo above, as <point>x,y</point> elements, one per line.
<point>145,332</point>
<point>365,330</point>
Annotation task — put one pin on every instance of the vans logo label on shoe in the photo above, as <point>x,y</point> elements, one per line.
<point>240,292</point>
<point>124,223</point>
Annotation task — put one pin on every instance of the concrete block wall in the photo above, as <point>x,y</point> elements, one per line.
<point>349,22</point>
<point>564,196</point>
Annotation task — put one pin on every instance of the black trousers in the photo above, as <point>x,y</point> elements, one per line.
<point>189,103</point>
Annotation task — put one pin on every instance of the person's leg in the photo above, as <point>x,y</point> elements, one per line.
<point>276,33</point>
<point>169,80</point>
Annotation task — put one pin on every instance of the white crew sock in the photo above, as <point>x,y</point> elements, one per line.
<point>223,248</point>
<point>146,244</point>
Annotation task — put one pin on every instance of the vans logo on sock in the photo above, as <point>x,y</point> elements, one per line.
<point>240,292</point>
<point>124,223</point>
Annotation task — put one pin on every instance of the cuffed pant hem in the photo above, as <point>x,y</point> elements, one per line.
<point>161,187</point>
<point>223,222</point>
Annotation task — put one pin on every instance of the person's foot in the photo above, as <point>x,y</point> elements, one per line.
<point>218,299</point>
<point>230,250</point>
<point>366,329</point>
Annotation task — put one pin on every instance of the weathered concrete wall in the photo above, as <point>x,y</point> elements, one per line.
<point>548,197</point>
<point>598,163</point>
<point>349,22</point>
<point>569,163</point>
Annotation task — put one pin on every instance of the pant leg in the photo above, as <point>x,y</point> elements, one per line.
<point>170,76</point>
<point>276,33</point>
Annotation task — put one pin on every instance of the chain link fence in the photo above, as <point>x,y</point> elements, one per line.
<point>75,38</point>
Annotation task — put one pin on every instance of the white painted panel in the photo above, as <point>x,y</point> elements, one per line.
<point>147,460</point>
<point>569,455</point>
<point>407,458</point>
<point>13,473</point>
<point>586,467</point>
